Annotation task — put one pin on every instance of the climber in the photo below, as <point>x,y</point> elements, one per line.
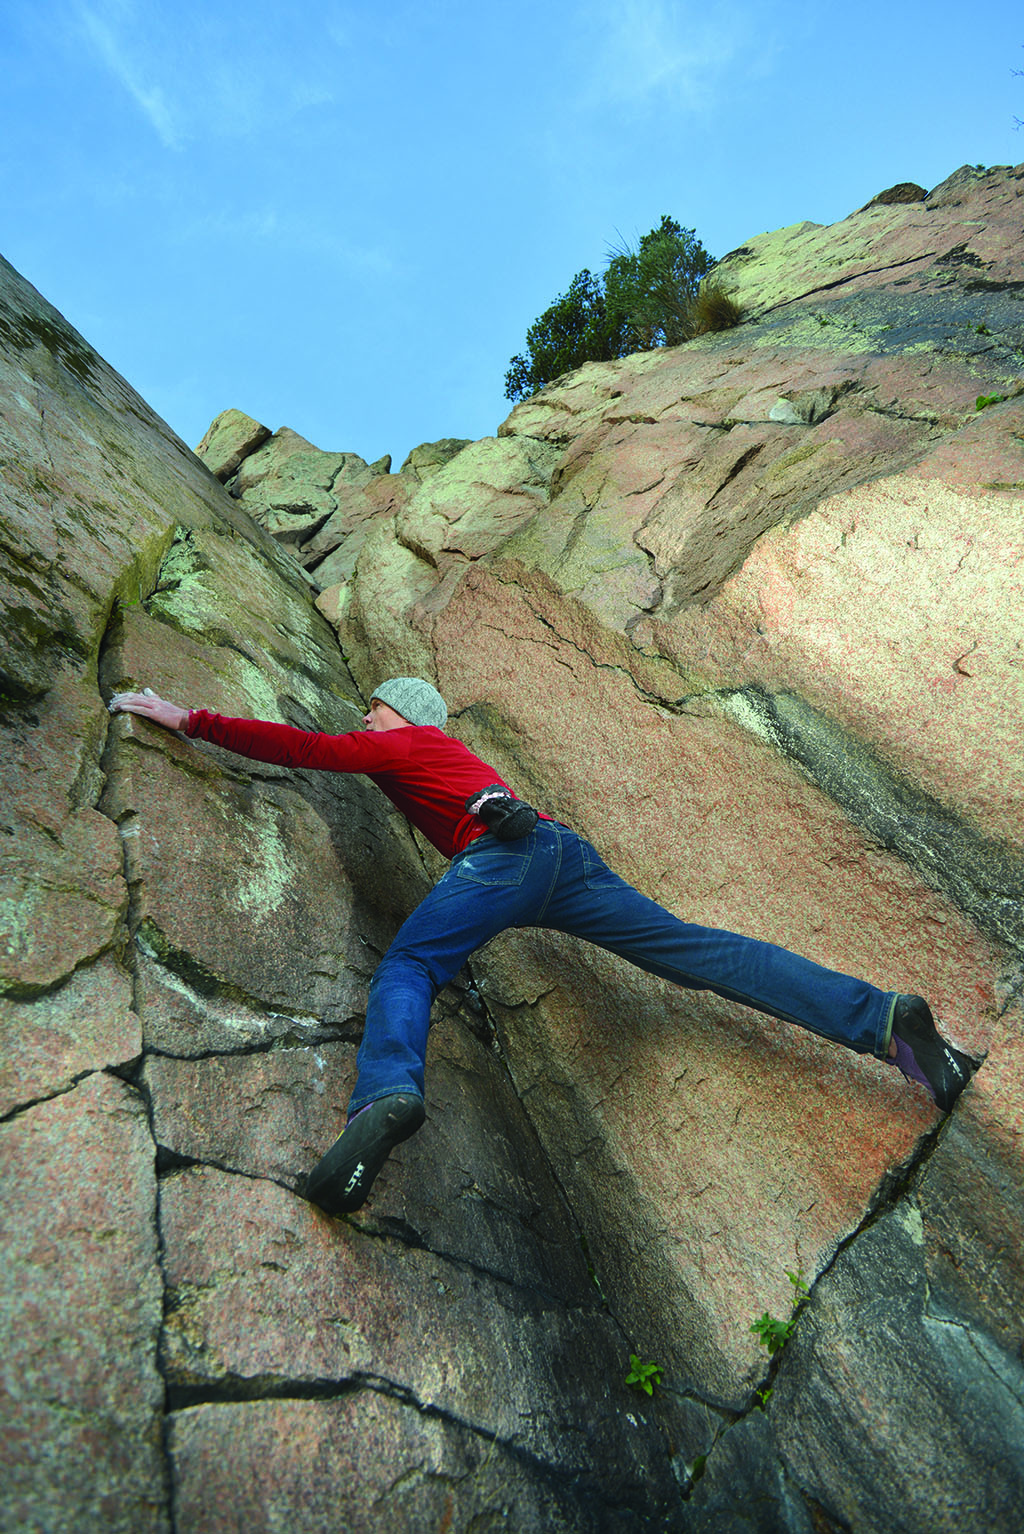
<point>513,867</point>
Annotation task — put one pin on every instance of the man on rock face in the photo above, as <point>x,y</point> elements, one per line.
<point>513,867</point>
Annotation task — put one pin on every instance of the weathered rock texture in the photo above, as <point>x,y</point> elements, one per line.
<point>747,613</point>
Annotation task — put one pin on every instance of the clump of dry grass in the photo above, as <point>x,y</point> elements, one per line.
<point>712,308</point>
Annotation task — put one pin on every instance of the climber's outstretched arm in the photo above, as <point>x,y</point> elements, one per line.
<point>170,715</point>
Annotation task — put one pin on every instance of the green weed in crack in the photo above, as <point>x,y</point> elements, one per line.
<point>774,1333</point>
<point>643,1376</point>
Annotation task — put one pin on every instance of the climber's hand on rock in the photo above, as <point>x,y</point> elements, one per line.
<point>146,703</point>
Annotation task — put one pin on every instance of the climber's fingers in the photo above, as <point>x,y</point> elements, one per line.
<point>146,703</point>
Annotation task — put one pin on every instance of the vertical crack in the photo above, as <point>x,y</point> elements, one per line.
<point>109,769</point>
<point>479,1006</point>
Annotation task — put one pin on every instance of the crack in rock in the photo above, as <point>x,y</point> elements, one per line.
<point>978,874</point>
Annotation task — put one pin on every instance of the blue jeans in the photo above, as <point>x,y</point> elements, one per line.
<point>553,878</point>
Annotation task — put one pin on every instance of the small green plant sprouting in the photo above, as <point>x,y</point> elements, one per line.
<point>772,1332</point>
<point>769,1330</point>
<point>982,330</point>
<point>643,1376</point>
<point>984,400</point>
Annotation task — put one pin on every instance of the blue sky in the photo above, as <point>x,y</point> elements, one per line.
<point>343,217</point>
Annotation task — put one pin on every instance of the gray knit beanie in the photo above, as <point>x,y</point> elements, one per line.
<point>414,699</point>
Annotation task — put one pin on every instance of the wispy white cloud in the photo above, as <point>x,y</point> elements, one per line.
<point>104,28</point>
<point>646,54</point>
<point>198,72</point>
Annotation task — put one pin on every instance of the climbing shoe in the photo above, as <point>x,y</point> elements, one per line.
<point>341,1180</point>
<point>923,1055</point>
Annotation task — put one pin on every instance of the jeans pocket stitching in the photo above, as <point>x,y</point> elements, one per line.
<point>513,869</point>
<point>595,870</point>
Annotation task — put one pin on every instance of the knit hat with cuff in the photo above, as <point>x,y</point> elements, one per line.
<point>414,699</point>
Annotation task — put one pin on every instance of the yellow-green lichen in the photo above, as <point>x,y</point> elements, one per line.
<point>273,875</point>
<point>781,467</point>
<point>821,332</point>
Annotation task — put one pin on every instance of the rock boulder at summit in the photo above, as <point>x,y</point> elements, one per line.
<point>743,612</point>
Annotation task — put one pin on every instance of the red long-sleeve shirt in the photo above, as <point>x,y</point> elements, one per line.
<point>425,773</point>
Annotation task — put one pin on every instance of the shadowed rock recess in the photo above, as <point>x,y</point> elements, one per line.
<point>747,613</point>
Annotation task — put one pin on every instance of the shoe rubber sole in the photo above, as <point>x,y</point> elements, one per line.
<point>341,1181</point>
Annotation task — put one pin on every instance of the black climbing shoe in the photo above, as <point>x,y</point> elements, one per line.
<point>341,1180</point>
<point>923,1055</point>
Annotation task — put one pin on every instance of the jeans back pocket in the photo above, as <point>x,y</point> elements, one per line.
<point>596,873</point>
<point>497,863</point>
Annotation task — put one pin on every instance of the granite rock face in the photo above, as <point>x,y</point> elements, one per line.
<point>230,438</point>
<point>81,1394</point>
<point>762,646</point>
<point>185,946</point>
<point>746,614</point>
